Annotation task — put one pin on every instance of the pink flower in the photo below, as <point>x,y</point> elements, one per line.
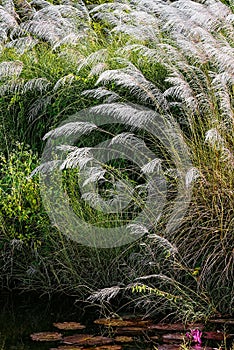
<point>195,336</point>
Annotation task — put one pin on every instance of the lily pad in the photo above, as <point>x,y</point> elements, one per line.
<point>180,347</point>
<point>68,347</point>
<point>171,337</point>
<point>87,340</point>
<point>154,338</point>
<point>69,326</point>
<point>199,347</point>
<point>103,347</point>
<point>77,338</point>
<point>112,322</point>
<point>216,335</point>
<point>175,326</point>
<point>106,347</point>
<point>46,336</point>
<point>124,339</point>
<point>130,330</point>
<point>169,347</point>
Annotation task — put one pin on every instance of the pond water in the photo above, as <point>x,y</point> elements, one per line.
<point>22,315</point>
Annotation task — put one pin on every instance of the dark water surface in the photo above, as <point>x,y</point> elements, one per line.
<point>21,315</point>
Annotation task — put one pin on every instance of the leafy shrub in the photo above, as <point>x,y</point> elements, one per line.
<point>22,215</point>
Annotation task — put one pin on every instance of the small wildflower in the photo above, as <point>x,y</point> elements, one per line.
<point>195,336</point>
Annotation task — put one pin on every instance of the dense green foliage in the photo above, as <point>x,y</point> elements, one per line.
<point>21,207</point>
<point>163,57</point>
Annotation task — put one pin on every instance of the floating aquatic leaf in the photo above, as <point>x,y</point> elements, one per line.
<point>124,339</point>
<point>68,347</point>
<point>169,347</point>
<point>175,326</point>
<point>69,325</point>
<point>171,337</point>
<point>216,335</point>
<point>103,347</point>
<point>122,323</point>
<point>199,347</point>
<point>154,338</point>
<point>106,347</point>
<point>86,339</point>
<point>46,336</point>
<point>77,338</point>
<point>130,330</point>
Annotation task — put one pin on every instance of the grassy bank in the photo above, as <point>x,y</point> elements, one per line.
<point>133,65</point>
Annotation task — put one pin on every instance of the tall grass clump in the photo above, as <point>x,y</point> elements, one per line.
<point>192,44</point>
<point>42,45</point>
<point>131,63</point>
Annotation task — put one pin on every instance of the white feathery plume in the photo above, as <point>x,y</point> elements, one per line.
<point>222,56</point>
<point>36,84</point>
<point>46,167</point>
<point>152,166</point>
<point>112,13</point>
<point>214,138</point>
<point>102,93</point>
<point>22,44</point>
<point>93,59</point>
<point>105,294</point>
<point>8,20</point>
<point>218,9</point>
<point>64,81</point>
<point>142,26</point>
<point>163,242</point>
<point>98,68</point>
<point>221,84</point>
<point>43,29</point>
<point>57,24</point>
<point>228,156</point>
<point>10,69</point>
<point>139,32</point>
<point>3,37</point>
<point>230,19</point>
<point>181,90</point>
<point>93,174</point>
<point>13,87</point>
<point>70,129</point>
<point>191,49</point>
<point>71,38</point>
<point>39,106</point>
<point>40,3</point>
<point>77,158</point>
<point>66,148</point>
<point>8,5</point>
<point>198,13</point>
<point>132,79</point>
<point>150,6</point>
<point>191,176</point>
<point>125,113</point>
<point>124,138</point>
<point>137,229</point>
